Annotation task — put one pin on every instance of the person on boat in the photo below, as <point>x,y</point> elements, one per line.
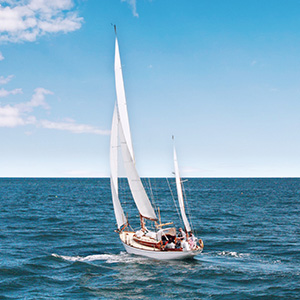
<point>164,242</point>
<point>191,240</point>
<point>178,244</point>
<point>168,243</point>
<point>181,235</point>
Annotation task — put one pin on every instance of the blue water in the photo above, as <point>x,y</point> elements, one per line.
<point>57,241</point>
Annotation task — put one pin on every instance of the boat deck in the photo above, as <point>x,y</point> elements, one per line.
<point>146,243</point>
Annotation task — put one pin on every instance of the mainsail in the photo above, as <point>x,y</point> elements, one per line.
<point>121,99</point>
<point>137,190</point>
<point>180,195</point>
<point>114,145</point>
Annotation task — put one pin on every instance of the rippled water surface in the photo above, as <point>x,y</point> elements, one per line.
<point>57,241</point>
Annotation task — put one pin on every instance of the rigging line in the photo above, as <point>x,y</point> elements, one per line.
<point>152,195</point>
<point>180,217</point>
<point>131,228</point>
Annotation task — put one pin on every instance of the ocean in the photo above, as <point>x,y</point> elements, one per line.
<point>57,241</point>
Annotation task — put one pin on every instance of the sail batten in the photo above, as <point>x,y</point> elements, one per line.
<point>180,194</point>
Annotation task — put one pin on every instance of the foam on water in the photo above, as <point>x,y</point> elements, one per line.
<point>123,257</point>
<point>233,254</point>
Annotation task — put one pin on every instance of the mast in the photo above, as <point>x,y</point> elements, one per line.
<point>179,193</point>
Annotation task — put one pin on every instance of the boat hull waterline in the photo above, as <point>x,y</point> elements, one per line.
<point>162,255</point>
<point>133,247</point>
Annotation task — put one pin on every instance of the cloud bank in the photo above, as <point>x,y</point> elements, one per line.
<point>17,115</point>
<point>25,20</point>
<point>21,114</point>
<point>71,126</point>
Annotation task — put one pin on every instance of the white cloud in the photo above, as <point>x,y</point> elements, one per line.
<point>5,93</point>
<point>28,19</point>
<point>132,3</point>
<point>4,80</point>
<point>17,115</point>
<point>1,56</point>
<point>38,99</point>
<point>60,24</point>
<point>73,127</point>
<point>47,6</point>
<point>20,115</point>
<point>10,116</point>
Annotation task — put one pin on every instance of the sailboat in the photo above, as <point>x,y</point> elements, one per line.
<point>162,243</point>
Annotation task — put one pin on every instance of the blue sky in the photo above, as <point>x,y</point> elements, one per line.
<point>222,76</point>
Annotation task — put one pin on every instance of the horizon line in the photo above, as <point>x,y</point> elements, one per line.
<point>107,177</point>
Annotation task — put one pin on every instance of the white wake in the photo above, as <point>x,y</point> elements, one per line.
<point>109,258</point>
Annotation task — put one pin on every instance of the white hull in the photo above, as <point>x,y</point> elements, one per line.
<point>135,248</point>
<point>162,255</point>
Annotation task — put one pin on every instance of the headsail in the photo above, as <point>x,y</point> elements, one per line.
<point>120,217</point>
<point>180,195</point>
<point>137,189</point>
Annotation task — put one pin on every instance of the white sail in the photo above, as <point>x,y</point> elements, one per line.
<point>121,99</point>
<point>180,195</point>
<point>120,217</point>
<point>137,189</point>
